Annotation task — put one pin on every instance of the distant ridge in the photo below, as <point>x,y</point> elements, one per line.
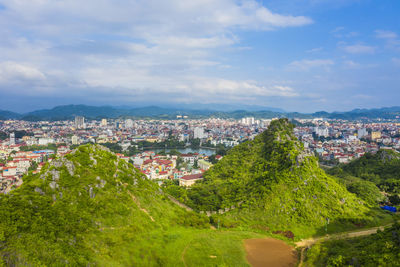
<point>66,112</point>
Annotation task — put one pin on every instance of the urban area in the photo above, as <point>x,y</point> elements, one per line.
<point>181,149</point>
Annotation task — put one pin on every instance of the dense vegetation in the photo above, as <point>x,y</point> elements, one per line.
<point>272,183</point>
<point>380,249</point>
<point>89,208</point>
<point>372,173</point>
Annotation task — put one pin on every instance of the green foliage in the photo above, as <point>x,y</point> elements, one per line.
<point>380,249</point>
<point>33,166</point>
<point>114,147</point>
<point>3,135</point>
<point>272,181</point>
<point>377,168</point>
<point>89,208</point>
<point>381,169</point>
<point>169,143</point>
<point>365,190</point>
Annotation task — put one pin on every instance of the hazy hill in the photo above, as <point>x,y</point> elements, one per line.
<point>4,114</point>
<point>197,111</point>
<point>279,186</point>
<point>69,111</point>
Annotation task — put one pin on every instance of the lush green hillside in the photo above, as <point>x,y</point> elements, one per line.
<point>89,208</point>
<point>278,186</point>
<point>380,249</point>
<point>370,172</point>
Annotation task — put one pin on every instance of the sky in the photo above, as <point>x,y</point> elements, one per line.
<point>297,55</point>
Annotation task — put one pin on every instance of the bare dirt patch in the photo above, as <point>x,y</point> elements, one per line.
<point>270,252</point>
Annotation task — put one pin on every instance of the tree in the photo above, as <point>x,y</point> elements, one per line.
<point>195,164</point>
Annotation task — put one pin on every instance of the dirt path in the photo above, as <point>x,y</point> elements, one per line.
<point>269,252</point>
<point>183,255</point>
<point>138,204</point>
<point>312,241</point>
<point>306,243</point>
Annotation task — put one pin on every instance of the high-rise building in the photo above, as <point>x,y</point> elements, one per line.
<point>199,133</point>
<point>362,132</point>
<point>322,131</point>
<point>104,122</point>
<point>79,122</point>
<point>248,121</point>
<point>75,140</point>
<point>12,138</point>
<point>129,123</point>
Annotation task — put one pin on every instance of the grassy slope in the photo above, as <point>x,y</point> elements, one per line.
<point>105,214</point>
<point>281,187</point>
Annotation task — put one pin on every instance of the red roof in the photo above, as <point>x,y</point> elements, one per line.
<point>147,161</point>
<point>164,161</point>
<point>193,176</point>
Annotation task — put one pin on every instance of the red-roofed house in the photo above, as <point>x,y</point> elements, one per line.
<point>189,180</point>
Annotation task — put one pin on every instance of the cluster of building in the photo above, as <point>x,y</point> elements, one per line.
<point>184,167</point>
<point>333,140</point>
<point>343,141</point>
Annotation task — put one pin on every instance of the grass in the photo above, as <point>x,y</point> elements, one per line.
<point>177,247</point>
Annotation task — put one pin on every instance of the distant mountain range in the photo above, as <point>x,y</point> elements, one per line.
<point>98,112</point>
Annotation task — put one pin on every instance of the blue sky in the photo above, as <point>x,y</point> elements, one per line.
<point>296,55</point>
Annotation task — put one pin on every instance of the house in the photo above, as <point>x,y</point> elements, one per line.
<point>218,157</point>
<point>204,165</point>
<point>10,171</point>
<point>189,180</point>
<point>189,158</point>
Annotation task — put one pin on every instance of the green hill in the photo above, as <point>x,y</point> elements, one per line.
<point>372,173</point>
<point>273,183</point>
<point>378,168</point>
<point>89,208</point>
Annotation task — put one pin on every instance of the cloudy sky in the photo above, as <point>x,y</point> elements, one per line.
<point>298,55</point>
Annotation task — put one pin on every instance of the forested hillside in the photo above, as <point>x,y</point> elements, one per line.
<point>273,183</point>
<point>372,173</point>
<point>89,208</point>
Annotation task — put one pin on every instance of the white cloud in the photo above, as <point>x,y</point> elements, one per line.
<point>242,88</point>
<point>141,47</point>
<point>306,64</point>
<point>385,34</point>
<point>11,72</point>
<point>359,49</point>
<point>315,50</point>
<point>337,29</point>
<point>392,40</point>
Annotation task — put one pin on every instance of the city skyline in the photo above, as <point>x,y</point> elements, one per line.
<point>297,55</point>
